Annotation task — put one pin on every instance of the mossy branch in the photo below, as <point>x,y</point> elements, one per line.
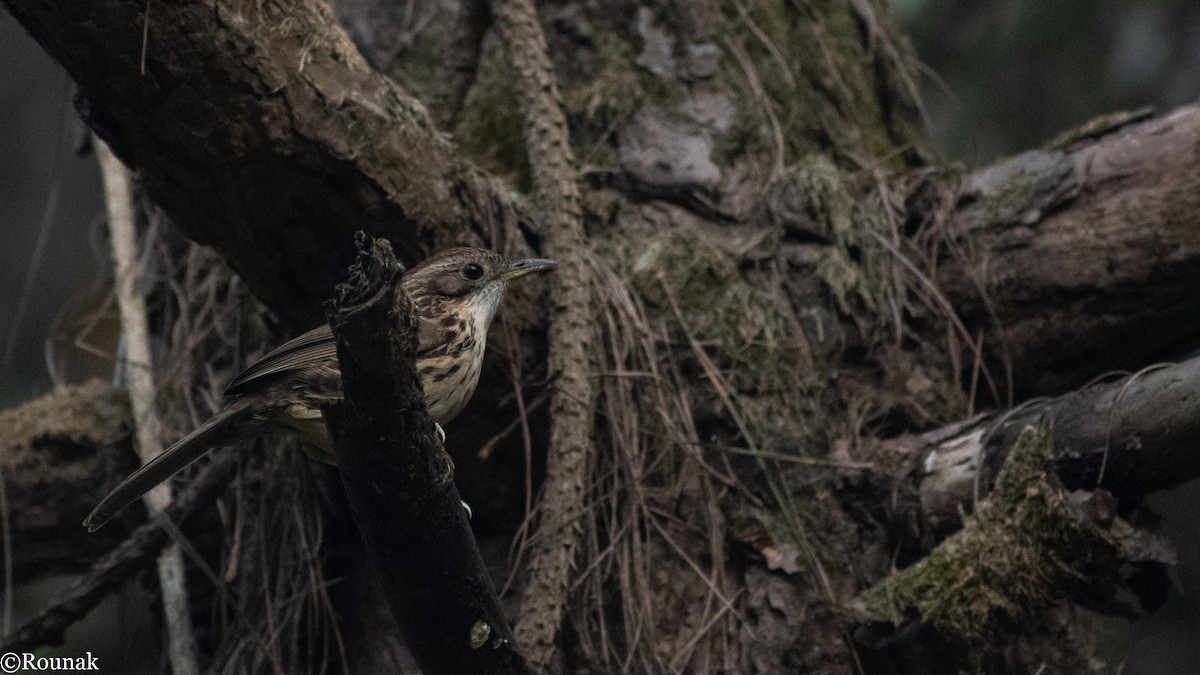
<point>1026,548</point>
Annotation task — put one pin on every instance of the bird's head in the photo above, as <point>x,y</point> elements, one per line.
<point>473,279</point>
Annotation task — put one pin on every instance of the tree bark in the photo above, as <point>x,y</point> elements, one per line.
<point>261,128</point>
<point>400,481</point>
<point>1130,436</point>
<point>571,335</point>
<point>1083,252</point>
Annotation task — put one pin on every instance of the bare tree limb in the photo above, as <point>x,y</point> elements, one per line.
<point>139,378</point>
<point>1131,436</point>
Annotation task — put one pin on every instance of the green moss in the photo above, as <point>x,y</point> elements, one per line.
<point>820,198</point>
<point>1013,559</point>
<point>717,303</point>
<point>614,91</point>
<point>695,271</point>
<point>821,79</point>
<point>491,129</point>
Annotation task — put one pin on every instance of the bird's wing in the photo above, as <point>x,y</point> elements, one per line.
<point>315,346</point>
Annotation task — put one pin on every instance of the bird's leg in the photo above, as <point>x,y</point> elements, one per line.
<point>441,434</point>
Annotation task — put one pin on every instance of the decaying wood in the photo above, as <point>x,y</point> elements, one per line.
<point>400,481</point>
<point>1029,545</point>
<point>1130,436</point>
<point>1086,251</point>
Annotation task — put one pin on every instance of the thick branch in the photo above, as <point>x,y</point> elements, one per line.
<point>400,482</point>
<point>1131,436</point>
<point>259,127</point>
<point>1087,250</point>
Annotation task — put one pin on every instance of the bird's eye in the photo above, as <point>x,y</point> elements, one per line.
<point>472,271</point>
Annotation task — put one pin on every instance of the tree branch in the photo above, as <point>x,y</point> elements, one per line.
<point>400,481</point>
<point>140,381</point>
<point>1030,544</point>
<point>1085,250</point>
<point>259,127</point>
<point>1131,437</point>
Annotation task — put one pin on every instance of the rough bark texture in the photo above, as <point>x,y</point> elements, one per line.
<point>1131,436</point>
<point>569,456</point>
<point>400,482</point>
<point>982,585</point>
<point>259,127</point>
<point>1084,252</point>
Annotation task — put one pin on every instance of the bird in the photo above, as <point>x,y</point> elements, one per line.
<point>455,295</point>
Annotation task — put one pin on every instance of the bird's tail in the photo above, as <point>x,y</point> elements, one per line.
<point>226,426</point>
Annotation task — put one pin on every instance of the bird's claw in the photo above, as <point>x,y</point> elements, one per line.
<point>467,508</point>
<point>441,433</point>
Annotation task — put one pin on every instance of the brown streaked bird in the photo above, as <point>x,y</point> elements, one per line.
<point>455,295</point>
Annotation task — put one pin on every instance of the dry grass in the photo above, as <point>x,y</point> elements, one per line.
<point>270,610</point>
<point>654,593</point>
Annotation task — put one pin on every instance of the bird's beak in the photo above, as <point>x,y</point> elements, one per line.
<point>519,268</point>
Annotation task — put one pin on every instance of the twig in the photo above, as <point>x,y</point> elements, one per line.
<point>118,196</point>
<point>556,196</point>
